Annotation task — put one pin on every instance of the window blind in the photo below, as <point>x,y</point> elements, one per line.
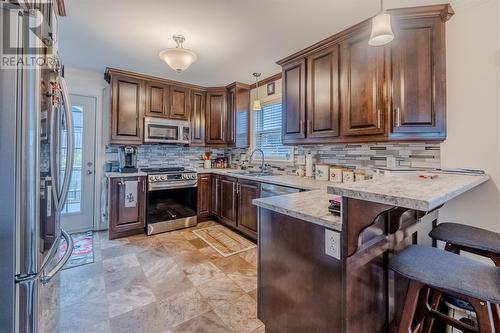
<point>267,132</point>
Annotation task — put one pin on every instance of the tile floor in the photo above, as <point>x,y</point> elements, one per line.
<point>171,282</point>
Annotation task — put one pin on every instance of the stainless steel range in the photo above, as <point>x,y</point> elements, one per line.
<point>171,199</point>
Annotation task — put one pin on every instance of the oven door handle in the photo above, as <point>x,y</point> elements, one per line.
<point>177,185</point>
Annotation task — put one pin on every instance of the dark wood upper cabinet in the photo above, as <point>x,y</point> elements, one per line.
<point>228,203</point>
<point>124,221</point>
<point>323,105</point>
<point>294,101</point>
<point>247,212</point>
<point>418,77</point>
<point>216,117</point>
<point>127,109</point>
<point>238,115</point>
<point>179,108</point>
<point>204,195</point>
<point>157,99</point>
<point>362,85</point>
<point>198,100</point>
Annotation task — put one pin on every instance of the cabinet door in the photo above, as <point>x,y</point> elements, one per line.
<point>228,208</point>
<point>294,101</point>
<point>127,109</point>
<point>216,118</point>
<point>204,195</point>
<point>197,118</point>
<point>418,77</point>
<point>247,212</point>
<point>323,105</point>
<point>179,105</point>
<point>231,116</point>
<point>362,86</point>
<point>126,220</point>
<point>242,117</point>
<point>215,190</point>
<point>157,99</point>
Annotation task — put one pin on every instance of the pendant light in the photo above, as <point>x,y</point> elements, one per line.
<point>178,58</point>
<point>256,103</point>
<point>381,28</point>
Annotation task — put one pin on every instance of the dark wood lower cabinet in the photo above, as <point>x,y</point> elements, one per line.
<point>204,193</point>
<point>125,221</point>
<point>215,195</point>
<point>228,204</point>
<point>247,212</point>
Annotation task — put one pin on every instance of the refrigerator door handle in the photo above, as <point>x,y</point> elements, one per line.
<point>46,277</point>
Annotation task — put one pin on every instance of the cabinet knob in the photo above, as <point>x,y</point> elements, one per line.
<point>378,118</point>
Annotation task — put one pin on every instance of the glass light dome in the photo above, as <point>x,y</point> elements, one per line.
<point>381,30</point>
<point>178,58</point>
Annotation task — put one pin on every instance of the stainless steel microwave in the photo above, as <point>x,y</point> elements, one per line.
<point>161,130</point>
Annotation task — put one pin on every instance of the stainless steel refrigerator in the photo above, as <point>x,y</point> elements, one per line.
<point>36,159</point>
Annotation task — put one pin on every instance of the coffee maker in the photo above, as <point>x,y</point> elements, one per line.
<point>128,159</point>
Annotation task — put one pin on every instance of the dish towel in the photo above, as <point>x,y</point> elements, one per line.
<point>131,193</point>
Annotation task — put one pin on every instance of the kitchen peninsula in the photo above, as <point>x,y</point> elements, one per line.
<point>321,273</point>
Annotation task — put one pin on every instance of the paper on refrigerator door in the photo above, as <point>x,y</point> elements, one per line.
<point>131,193</point>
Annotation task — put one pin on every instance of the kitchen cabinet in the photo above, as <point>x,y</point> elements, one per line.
<point>362,85</point>
<point>179,103</point>
<point>228,200</point>
<point>198,100</point>
<point>127,109</point>
<point>323,100</point>
<point>418,78</point>
<point>215,196</point>
<point>216,117</point>
<point>157,99</point>
<point>125,221</point>
<point>341,90</point>
<point>238,115</point>
<point>204,196</point>
<point>294,102</point>
<point>247,213</point>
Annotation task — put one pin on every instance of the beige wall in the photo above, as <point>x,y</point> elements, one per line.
<point>473,111</point>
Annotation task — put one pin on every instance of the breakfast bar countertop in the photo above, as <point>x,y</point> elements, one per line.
<point>410,191</point>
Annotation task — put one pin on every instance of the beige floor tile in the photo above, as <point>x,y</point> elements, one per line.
<point>174,282</point>
<point>261,329</point>
<point>120,263</point>
<point>253,294</point>
<point>73,291</point>
<point>232,264</point>
<point>198,242</point>
<point>123,278</point>
<point>220,291</point>
<point>116,251</point>
<point>147,319</point>
<point>250,256</point>
<point>210,253</point>
<point>246,279</point>
<point>129,298</point>
<point>202,273</point>
<point>182,307</point>
<point>208,322</point>
<point>90,315</point>
<point>240,315</point>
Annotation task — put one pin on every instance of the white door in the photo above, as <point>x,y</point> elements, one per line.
<point>78,212</point>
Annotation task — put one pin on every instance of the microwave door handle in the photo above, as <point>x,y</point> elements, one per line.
<point>70,144</point>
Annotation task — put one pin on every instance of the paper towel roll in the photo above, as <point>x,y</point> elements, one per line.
<point>309,165</point>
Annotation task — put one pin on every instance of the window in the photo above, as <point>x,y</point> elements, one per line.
<point>267,132</point>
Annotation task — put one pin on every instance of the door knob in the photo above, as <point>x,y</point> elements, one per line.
<point>89,172</point>
<point>89,164</point>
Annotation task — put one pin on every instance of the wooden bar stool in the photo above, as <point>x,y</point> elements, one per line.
<point>460,237</point>
<point>429,268</point>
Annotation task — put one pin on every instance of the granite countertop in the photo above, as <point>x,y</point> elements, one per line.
<point>120,174</point>
<point>311,206</point>
<point>284,180</point>
<point>409,191</point>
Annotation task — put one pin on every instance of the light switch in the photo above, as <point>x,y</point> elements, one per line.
<point>332,243</point>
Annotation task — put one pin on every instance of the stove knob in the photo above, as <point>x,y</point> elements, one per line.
<point>163,177</point>
<point>152,178</point>
<point>193,176</point>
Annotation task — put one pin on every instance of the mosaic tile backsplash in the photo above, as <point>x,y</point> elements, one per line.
<point>356,156</point>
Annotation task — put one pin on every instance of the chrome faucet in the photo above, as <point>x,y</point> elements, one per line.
<point>262,163</point>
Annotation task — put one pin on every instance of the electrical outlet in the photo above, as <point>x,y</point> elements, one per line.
<point>301,160</point>
<point>332,243</point>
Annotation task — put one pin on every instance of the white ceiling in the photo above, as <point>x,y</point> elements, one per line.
<point>233,38</point>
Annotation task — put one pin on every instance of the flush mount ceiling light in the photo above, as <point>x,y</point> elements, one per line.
<point>256,103</point>
<point>381,28</point>
<point>178,58</point>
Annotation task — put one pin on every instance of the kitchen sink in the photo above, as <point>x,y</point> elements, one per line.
<point>251,173</point>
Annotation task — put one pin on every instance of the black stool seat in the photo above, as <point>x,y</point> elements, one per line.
<point>448,271</point>
<point>465,235</point>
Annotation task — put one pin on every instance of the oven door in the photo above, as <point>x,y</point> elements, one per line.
<point>171,207</point>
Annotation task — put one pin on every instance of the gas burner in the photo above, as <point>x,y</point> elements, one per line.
<point>163,170</point>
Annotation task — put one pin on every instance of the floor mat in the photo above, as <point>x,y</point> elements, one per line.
<point>83,252</point>
<point>223,240</point>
